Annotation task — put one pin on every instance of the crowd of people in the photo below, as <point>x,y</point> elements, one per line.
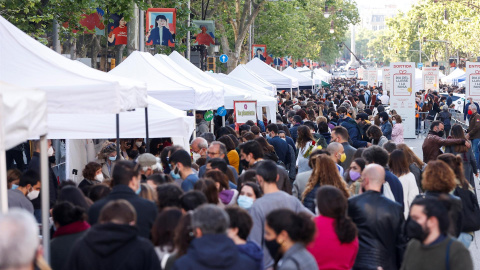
<point>329,183</point>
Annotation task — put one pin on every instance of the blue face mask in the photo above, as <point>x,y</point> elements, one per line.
<point>245,202</point>
<point>14,186</point>
<point>138,190</point>
<point>175,175</point>
<point>268,136</point>
<point>112,158</point>
<point>394,122</point>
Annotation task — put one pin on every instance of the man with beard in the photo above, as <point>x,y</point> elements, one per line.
<point>433,142</point>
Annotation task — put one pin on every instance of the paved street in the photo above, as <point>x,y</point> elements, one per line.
<point>416,145</point>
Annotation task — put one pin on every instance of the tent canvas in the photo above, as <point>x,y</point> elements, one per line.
<point>164,84</point>
<point>455,75</point>
<point>302,80</point>
<point>271,75</point>
<point>257,92</point>
<point>231,93</point>
<point>70,86</point>
<point>243,73</point>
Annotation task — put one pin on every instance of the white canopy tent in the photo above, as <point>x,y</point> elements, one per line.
<point>70,86</point>
<point>257,92</point>
<point>308,73</point>
<point>244,73</point>
<point>303,81</point>
<point>164,84</point>
<point>231,93</point>
<point>322,73</point>
<point>455,75</point>
<point>271,75</point>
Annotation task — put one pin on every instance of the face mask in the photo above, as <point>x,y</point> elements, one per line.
<point>440,133</point>
<point>414,230</point>
<point>394,122</point>
<point>470,112</point>
<point>343,157</point>
<point>341,116</point>
<point>426,102</point>
<point>468,101</point>
<point>272,247</point>
<point>14,186</point>
<point>245,202</point>
<point>99,177</point>
<point>139,189</point>
<point>354,175</point>
<point>285,139</point>
<point>198,121</point>
<point>196,156</point>
<point>50,151</point>
<point>112,158</point>
<point>138,144</point>
<point>244,163</point>
<point>268,136</point>
<point>174,174</point>
<point>32,195</point>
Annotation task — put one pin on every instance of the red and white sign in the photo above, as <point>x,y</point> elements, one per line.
<point>430,78</point>
<point>472,80</point>
<point>372,77</point>
<point>402,95</point>
<point>387,84</point>
<point>361,73</point>
<point>245,110</point>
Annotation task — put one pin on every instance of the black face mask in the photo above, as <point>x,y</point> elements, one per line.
<point>244,163</point>
<point>440,133</point>
<point>414,230</point>
<point>273,248</point>
<point>198,120</point>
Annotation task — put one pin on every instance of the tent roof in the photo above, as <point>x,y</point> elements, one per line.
<point>231,93</point>
<point>164,121</point>
<point>455,75</point>
<point>163,83</point>
<point>23,114</point>
<point>272,75</point>
<point>70,86</point>
<point>302,80</point>
<point>244,73</point>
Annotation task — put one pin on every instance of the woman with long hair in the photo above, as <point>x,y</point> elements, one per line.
<point>286,235</point>
<point>468,158</point>
<point>336,244</point>
<point>268,149</point>
<point>226,195</point>
<point>209,188</point>
<point>415,164</point>
<point>376,136</point>
<point>305,144</point>
<point>398,165</point>
<point>324,172</point>
<point>163,232</point>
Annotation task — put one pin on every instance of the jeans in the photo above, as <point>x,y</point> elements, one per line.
<point>466,239</point>
<point>475,149</point>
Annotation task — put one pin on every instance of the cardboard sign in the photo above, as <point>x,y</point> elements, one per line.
<point>245,110</point>
<point>430,78</point>
<point>402,95</point>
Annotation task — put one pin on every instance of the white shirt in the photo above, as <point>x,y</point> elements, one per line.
<point>385,99</point>
<point>410,191</point>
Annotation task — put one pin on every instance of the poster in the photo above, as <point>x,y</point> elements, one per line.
<point>402,96</point>
<point>205,34</point>
<point>372,77</point>
<point>259,51</point>
<point>245,110</point>
<point>361,73</point>
<point>430,78</point>
<point>117,30</point>
<point>161,26</point>
<point>472,80</point>
<point>387,84</point>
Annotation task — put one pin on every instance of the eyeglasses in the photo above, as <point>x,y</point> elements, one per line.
<point>211,153</point>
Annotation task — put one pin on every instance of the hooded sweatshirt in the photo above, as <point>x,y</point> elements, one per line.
<point>113,246</point>
<point>253,251</point>
<point>214,251</point>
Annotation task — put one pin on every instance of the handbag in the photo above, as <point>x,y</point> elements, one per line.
<point>470,210</point>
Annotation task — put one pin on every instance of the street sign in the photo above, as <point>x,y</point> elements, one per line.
<point>221,111</point>
<point>208,116</point>
<point>420,65</point>
<point>223,58</point>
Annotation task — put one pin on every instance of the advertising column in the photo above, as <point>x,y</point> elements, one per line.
<point>472,81</point>
<point>387,84</point>
<point>402,95</point>
<point>430,78</point>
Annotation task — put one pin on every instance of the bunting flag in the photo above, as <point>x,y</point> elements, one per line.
<point>269,59</point>
<point>306,62</point>
<point>299,63</point>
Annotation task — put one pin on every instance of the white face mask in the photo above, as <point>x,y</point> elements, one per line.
<point>196,156</point>
<point>32,195</point>
<point>50,151</point>
<point>99,177</point>
<point>139,144</point>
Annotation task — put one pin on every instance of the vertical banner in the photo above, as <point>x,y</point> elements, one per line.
<point>402,95</point>
<point>161,26</point>
<point>361,73</point>
<point>372,77</point>
<point>205,34</point>
<point>387,84</point>
<point>472,81</point>
<point>259,51</point>
<point>430,78</point>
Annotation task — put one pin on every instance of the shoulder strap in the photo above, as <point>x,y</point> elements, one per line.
<point>447,257</point>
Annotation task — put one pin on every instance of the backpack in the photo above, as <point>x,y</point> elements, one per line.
<point>470,209</point>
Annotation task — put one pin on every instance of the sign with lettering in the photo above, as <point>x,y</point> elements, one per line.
<point>472,80</point>
<point>387,86</point>
<point>245,110</point>
<point>430,78</point>
<point>372,77</point>
<point>361,73</point>
<point>402,95</point>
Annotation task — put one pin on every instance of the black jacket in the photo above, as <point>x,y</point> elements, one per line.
<point>113,246</point>
<point>379,222</point>
<point>53,184</point>
<point>214,251</point>
<point>146,210</point>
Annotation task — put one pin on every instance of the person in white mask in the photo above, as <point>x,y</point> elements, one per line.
<point>199,148</point>
<point>149,165</point>
<point>92,174</point>
<point>28,189</point>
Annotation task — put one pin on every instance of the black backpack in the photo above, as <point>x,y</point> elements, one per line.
<point>470,209</point>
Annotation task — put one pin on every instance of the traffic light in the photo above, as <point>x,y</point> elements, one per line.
<point>211,63</point>
<point>424,40</point>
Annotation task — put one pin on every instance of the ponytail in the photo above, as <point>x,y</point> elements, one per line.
<point>299,227</point>
<point>345,229</point>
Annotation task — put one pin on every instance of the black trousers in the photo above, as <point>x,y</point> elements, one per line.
<point>16,155</point>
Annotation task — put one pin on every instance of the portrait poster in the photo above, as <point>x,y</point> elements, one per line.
<point>117,30</point>
<point>472,81</point>
<point>205,34</point>
<point>161,26</point>
<point>402,96</point>
<point>94,22</point>
<point>259,51</point>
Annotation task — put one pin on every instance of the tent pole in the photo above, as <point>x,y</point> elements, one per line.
<point>3,180</point>
<point>118,136</point>
<point>212,125</point>
<point>195,126</point>
<point>147,144</point>
<point>223,121</point>
<point>45,198</point>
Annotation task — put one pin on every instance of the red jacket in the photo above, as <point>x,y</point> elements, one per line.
<point>327,249</point>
